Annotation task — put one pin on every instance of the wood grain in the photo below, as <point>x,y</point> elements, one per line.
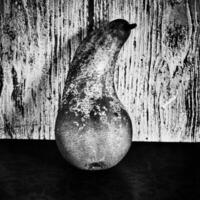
<point>156,77</point>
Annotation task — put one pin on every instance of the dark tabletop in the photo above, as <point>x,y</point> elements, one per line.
<point>34,170</point>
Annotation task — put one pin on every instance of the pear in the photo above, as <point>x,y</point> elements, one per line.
<point>93,130</point>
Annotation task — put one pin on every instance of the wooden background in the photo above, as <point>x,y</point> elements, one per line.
<point>157,75</point>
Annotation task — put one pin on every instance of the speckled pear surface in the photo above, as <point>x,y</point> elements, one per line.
<point>93,130</point>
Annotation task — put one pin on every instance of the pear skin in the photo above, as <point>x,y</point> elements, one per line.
<point>93,130</point>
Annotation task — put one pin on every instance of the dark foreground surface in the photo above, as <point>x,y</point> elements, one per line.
<point>34,170</point>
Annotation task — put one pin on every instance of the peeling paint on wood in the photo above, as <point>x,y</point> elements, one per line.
<point>157,74</point>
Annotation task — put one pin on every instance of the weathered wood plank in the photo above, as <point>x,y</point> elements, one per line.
<point>38,40</point>
<point>157,74</point>
<point>154,75</point>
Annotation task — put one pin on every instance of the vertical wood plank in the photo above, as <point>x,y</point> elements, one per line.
<point>38,40</point>
<point>152,78</point>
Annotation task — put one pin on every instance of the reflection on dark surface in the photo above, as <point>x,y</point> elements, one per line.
<point>35,170</point>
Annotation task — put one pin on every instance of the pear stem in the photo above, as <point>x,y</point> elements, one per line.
<point>132,26</point>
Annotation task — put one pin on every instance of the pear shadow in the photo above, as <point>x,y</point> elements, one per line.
<point>36,170</point>
<point>106,184</point>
